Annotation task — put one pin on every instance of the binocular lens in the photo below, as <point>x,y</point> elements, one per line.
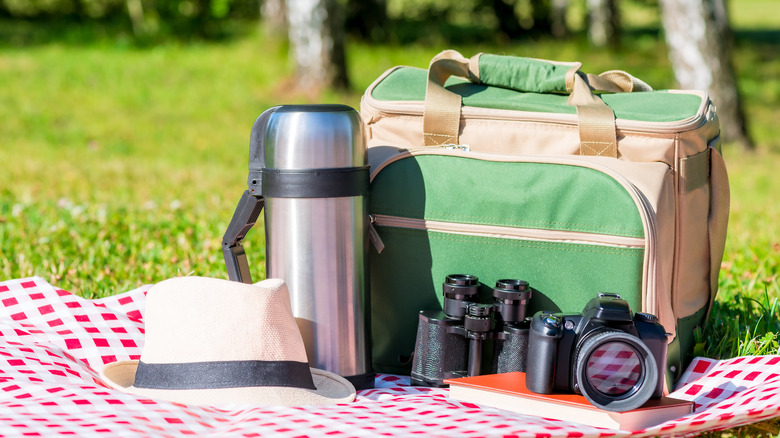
<point>614,368</point>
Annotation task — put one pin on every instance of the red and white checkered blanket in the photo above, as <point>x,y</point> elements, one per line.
<point>52,343</point>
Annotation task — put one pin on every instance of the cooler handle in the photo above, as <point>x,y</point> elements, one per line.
<point>596,121</point>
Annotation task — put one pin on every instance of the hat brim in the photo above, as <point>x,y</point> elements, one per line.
<point>331,389</point>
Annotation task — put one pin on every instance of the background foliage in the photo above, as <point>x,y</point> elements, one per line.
<point>122,157</point>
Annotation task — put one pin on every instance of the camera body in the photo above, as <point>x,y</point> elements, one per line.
<point>450,342</point>
<point>608,354</point>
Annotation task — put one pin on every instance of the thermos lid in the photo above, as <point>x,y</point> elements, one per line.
<point>314,137</point>
<point>325,107</point>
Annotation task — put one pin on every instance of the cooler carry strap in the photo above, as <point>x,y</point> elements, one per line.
<point>441,118</point>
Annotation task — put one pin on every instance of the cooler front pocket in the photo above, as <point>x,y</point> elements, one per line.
<point>570,228</point>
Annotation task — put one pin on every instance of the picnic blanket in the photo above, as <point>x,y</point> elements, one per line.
<point>52,344</point>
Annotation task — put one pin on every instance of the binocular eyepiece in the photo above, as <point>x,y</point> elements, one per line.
<point>510,297</point>
<point>450,342</point>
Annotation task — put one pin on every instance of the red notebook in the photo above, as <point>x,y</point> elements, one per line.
<point>507,391</point>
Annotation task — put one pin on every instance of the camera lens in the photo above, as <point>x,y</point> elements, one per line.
<point>614,368</point>
<point>615,371</point>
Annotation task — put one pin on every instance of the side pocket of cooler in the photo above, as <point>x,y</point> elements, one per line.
<point>570,227</point>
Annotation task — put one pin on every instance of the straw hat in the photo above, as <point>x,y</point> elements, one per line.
<point>211,341</point>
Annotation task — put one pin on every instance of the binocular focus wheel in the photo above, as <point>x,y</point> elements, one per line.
<point>615,371</point>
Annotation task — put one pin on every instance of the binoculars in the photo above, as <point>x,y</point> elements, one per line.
<point>450,342</point>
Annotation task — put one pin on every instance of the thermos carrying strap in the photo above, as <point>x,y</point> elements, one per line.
<point>246,214</point>
<point>249,206</point>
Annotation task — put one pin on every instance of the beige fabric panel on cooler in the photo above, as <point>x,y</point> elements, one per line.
<point>720,203</point>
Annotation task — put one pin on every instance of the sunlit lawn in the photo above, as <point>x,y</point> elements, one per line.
<point>122,166</point>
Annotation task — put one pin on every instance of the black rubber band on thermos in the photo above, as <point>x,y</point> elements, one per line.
<point>315,183</point>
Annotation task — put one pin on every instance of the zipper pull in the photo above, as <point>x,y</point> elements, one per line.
<point>373,235</point>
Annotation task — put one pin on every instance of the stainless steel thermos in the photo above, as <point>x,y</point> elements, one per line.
<point>308,166</point>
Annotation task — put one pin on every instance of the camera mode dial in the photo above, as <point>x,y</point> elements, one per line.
<point>646,317</point>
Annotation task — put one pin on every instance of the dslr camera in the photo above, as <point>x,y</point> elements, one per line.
<point>450,342</point>
<point>612,357</point>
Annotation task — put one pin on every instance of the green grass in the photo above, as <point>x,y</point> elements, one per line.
<point>121,166</point>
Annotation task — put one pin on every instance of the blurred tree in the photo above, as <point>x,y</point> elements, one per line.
<point>558,18</point>
<point>135,10</point>
<point>87,9</point>
<point>603,23</point>
<point>274,15</point>
<point>316,32</point>
<point>539,17</point>
<point>699,40</point>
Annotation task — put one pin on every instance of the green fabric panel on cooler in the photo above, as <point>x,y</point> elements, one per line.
<point>685,328</point>
<point>522,74</point>
<point>522,195</point>
<point>679,352</point>
<point>415,263</point>
<point>408,84</point>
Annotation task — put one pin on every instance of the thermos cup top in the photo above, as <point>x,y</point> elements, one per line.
<point>314,136</point>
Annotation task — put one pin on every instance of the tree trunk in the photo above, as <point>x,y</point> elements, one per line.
<point>603,23</point>
<point>135,10</point>
<point>558,18</point>
<point>274,16</point>
<point>316,31</point>
<point>699,41</point>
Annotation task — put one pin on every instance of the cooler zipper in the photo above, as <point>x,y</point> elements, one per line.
<point>413,108</point>
<point>687,124</point>
<point>645,209</point>
<point>503,232</point>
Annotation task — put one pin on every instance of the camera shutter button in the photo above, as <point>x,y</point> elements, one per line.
<point>551,321</point>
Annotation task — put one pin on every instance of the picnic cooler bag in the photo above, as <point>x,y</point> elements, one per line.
<point>507,167</point>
